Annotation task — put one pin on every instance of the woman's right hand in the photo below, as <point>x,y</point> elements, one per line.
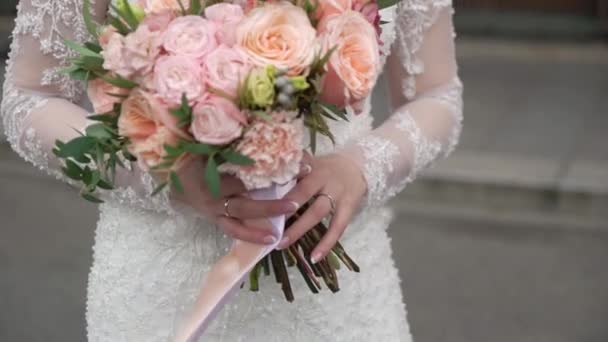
<point>240,208</point>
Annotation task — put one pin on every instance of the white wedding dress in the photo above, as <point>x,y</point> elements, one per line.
<point>150,256</point>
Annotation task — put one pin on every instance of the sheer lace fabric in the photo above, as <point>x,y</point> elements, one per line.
<point>148,265</point>
<point>427,95</point>
<point>41,105</point>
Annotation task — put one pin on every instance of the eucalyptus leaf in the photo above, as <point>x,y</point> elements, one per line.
<point>98,131</point>
<point>77,147</point>
<point>91,198</point>
<point>88,19</point>
<point>159,188</point>
<point>236,158</point>
<point>198,148</point>
<point>176,183</point>
<point>81,49</point>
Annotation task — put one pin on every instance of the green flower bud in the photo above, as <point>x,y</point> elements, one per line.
<point>260,87</point>
<point>299,83</point>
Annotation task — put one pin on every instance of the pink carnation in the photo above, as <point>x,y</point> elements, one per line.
<point>277,149</point>
<point>178,75</point>
<point>142,47</point>
<point>114,55</point>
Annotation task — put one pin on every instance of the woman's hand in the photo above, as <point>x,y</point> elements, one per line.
<point>336,181</point>
<point>229,217</point>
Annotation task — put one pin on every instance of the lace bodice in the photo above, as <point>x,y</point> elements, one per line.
<point>41,105</point>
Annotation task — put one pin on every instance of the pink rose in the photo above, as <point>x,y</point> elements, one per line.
<point>149,127</point>
<point>217,121</point>
<point>158,6</point>
<point>279,34</point>
<point>371,13</point>
<point>114,56</point>
<point>226,17</point>
<point>354,66</point>
<point>142,47</point>
<point>276,147</point>
<point>159,21</point>
<point>226,68</point>
<point>99,92</point>
<point>178,75</point>
<point>191,36</point>
<point>326,8</point>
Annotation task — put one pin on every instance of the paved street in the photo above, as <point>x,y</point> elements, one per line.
<point>505,242</point>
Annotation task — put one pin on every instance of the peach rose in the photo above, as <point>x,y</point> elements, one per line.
<point>354,66</point>
<point>226,17</point>
<point>279,34</point>
<point>217,121</point>
<point>226,68</point>
<point>326,8</point>
<point>149,127</point>
<point>178,75</point>
<point>99,92</point>
<point>277,149</point>
<point>191,36</point>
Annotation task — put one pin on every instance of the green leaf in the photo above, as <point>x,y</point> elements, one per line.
<point>236,158</point>
<point>159,188</point>
<point>88,19</point>
<point>98,131</point>
<point>176,183</point>
<point>91,198</point>
<point>77,147</point>
<point>81,49</point>
<point>212,177</point>
<point>173,151</point>
<point>72,170</point>
<point>262,115</point>
<point>106,185</point>
<point>93,46</point>
<point>90,63</point>
<point>126,13</point>
<point>387,3</point>
<point>313,140</point>
<point>118,81</point>
<point>197,148</point>
<point>80,74</point>
<point>195,7</point>
<point>119,25</point>
<point>181,6</point>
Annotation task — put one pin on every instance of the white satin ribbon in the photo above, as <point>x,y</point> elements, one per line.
<point>226,276</point>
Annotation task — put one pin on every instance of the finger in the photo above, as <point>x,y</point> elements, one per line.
<point>231,186</point>
<point>246,208</point>
<point>305,165</point>
<point>338,225</point>
<point>320,209</point>
<point>238,231</point>
<point>306,188</point>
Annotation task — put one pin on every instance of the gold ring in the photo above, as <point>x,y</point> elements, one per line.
<point>332,201</point>
<point>226,204</point>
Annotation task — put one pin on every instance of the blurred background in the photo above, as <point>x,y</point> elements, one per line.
<point>507,240</point>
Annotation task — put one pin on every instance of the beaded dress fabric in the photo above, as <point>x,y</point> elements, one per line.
<point>150,256</point>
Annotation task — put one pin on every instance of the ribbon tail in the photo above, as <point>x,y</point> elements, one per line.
<point>226,276</point>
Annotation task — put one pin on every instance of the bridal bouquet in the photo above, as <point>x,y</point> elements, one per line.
<point>234,83</point>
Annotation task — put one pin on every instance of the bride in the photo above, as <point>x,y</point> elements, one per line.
<point>151,254</point>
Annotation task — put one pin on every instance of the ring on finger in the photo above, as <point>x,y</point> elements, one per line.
<point>332,201</point>
<point>226,205</point>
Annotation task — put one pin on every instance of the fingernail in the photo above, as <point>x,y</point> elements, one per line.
<point>316,256</point>
<point>305,169</point>
<point>270,240</point>
<point>284,242</point>
<point>292,207</point>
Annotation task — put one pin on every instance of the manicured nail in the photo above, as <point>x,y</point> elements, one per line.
<point>316,256</point>
<point>305,169</point>
<point>284,243</point>
<point>292,207</point>
<point>269,240</point>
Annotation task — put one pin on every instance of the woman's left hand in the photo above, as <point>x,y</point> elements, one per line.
<point>333,180</point>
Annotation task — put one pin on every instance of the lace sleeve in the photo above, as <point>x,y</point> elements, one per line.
<point>427,102</point>
<point>41,105</point>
